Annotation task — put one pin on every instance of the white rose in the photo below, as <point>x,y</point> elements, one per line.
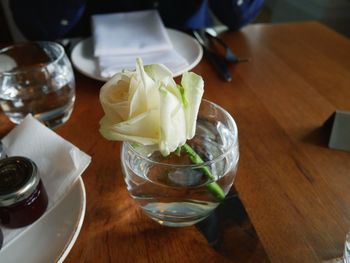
<point>147,107</point>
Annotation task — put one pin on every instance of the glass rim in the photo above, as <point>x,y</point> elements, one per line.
<point>30,68</point>
<point>233,128</point>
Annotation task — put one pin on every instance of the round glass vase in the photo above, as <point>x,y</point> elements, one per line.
<point>172,190</point>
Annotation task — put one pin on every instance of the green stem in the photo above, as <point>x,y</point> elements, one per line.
<point>213,187</point>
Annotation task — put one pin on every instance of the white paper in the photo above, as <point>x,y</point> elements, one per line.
<point>59,162</point>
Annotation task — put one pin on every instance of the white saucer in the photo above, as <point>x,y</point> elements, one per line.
<point>84,61</point>
<point>51,239</point>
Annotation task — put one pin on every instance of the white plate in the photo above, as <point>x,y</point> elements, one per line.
<point>51,239</point>
<point>84,61</point>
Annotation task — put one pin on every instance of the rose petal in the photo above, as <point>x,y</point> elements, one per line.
<point>137,98</point>
<point>193,91</point>
<point>172,122</point>
<point>148,85</point>
<point>143,129</point>
<point>159,72</point>
<point>114,98</point>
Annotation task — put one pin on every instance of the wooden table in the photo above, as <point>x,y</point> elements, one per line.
<point>294,189</point>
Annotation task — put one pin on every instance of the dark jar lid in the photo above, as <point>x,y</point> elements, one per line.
<point>19,178</point>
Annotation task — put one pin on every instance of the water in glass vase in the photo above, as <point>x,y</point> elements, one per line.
<point>173,191</point>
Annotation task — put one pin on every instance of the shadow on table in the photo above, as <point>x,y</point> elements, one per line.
<point>230,232</point>
<point>319,136</point>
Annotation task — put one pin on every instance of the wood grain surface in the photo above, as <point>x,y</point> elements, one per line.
<point>294,189</point>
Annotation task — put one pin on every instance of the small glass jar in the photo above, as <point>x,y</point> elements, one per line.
<point>23,198</point>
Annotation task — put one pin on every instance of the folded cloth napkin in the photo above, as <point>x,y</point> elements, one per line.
<point>109,66</point>
<point>120,38</point>
<point>137,32</point>
<point>59,162</point>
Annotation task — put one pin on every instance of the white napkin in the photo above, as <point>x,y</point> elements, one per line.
<point>137,32</point>
<point>59,162</point>
<point>120,38</point>
<point>111,65</point>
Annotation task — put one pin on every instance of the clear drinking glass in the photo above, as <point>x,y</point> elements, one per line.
<point>172,190</point>
<point>346,256</point>
<point>36,78</point>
